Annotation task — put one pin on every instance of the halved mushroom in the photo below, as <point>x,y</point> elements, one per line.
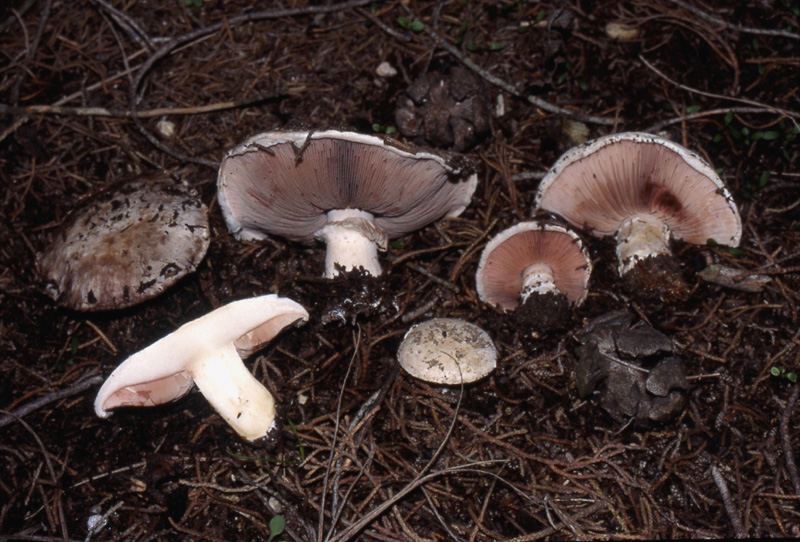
<point>126,245</point>
<point>539,266</point>
<point>207,352</point>
<point>643,189</point>
<point>351,190</point>
<point>447,351</point>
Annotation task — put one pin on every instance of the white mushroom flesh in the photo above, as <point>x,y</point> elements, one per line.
<point>638,238</point>
<point>352,241</point>
<point>207,351</point>
<point>537,279</point>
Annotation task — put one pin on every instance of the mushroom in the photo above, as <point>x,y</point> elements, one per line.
<point>541,266</point>
<point>352,191</point>
<point>126,245</point>
<point>447,351</point>
<point>207,352</point>
<point>643,189</point>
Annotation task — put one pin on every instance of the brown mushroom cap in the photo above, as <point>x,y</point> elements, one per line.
<point>506,258</point>
<point>602,183</point>
<point>125,245</point>
<point>285,183</point>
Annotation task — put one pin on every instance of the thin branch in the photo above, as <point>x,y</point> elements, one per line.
<point>730,506</point>
<point>745,29</point>
<point>36,404</point>
<point>786,439</point>
<point>496,81</point>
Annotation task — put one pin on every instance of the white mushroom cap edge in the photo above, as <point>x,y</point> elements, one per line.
<point>506,280</point>
<point>643,234</point>
<point>352,235</point>
<point>207,352</point>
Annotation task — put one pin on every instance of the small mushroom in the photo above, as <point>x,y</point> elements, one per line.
<point>352,191</point>
<point>447,351</point>
<point>207,352</point>
<point>126,245</point>
<point>537,269</point>
<point>643,190</point>
<point>632,369</point>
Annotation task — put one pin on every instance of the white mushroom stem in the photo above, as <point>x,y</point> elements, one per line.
<point>207,351</point>
<point>640,237</point>
<point>352,241</point>
<point>537,279</point>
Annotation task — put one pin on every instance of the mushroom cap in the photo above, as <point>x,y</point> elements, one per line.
<point>126,244</point>
<point>284,184</point>
<point>447,351</point>
<point>603,182</point>
<point>503,262</point>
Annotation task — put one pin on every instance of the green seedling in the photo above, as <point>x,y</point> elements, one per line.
<point>733,251</point>
<point>409,24</point>
<point>276,526</point>
<point>381,129</point>
<point>780,372</point>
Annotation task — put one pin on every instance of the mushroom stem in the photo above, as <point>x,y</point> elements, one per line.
<point>235,394</point>
<point>537,279</point>
<point>352,240</point>
<point>640,237</point>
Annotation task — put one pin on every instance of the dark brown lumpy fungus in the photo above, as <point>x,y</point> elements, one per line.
<point>445,109</point>
<point>632,370</point>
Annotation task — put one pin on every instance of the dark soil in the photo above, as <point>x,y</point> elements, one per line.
<point>366,452</point>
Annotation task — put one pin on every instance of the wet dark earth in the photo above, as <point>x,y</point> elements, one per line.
<point>645,412</point>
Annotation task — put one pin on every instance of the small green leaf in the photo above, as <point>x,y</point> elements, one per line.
<point>397,244</point>
<point>472,47</point>
<point>404,22</point>
<point>417,26</point>
<point>755,44</point>
<point>733,251</point>
<point>728,118</point>
<point>539,16</point>
<point>717,138</point>
<point>377,127</point>
<point>770,135</point>
<point>495,46</point>
<point>791,377</point>
<point>693,109</point>
<point>390,130</point>
<point>762,182</point>
<point>774,371</point>
<point>582,84</point>
<point>276,526</point>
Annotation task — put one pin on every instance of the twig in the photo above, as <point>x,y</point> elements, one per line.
<point>36,404</point>
<point>421,270</point>
<point>418,480</point>
<point>791,114</point>
<point>496,81</point>
<point>730,506</point>
<point>166,49</point>
<point>58,503</point>
<point>732,26</point>
<point>123,113</point>
<point>786,440</point>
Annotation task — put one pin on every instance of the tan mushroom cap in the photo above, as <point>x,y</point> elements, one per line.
<point>508,256</point>
<point>447,351</point>
<point>603,183</point>
<point>127,244</point>
<point>285,183</point>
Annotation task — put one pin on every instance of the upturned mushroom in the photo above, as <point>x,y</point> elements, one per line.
<point>207,352</point>
<point>353,191</point>
<point>643,190</point>
<point>125,245</point>
<point>447,351</point>
<point>538,270</point>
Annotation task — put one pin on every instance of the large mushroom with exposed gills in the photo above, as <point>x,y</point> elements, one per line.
<point>352,191</point>
<point>207,352</point>
<point>643,190</point>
